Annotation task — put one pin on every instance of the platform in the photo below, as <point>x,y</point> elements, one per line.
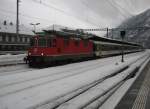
<point>138,96</point>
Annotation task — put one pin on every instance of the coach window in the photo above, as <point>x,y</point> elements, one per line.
<point>104,47</point>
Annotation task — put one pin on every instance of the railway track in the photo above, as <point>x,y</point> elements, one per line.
<point>83,102</point>
<point>78,99</point>
<point>23,81</point>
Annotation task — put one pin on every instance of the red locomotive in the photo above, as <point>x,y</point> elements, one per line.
<point>53,46</point>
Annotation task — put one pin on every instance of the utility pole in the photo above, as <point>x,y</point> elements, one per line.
<point>17,20</point>
<point>122,34</point>
<point>107,31</point>
<point>112,31</point>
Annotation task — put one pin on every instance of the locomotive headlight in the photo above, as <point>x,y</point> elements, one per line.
<point>42,54</point>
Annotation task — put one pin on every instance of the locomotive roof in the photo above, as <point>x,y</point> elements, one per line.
<point>64,34</point>
<point>62,31</point>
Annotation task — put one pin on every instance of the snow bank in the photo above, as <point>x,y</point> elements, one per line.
<point>11,59</point>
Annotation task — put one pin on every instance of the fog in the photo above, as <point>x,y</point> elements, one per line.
<point>73,13</point>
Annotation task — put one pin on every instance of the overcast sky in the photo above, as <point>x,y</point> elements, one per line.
<point>73,13</point>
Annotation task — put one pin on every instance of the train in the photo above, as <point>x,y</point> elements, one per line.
<point>51,46</point>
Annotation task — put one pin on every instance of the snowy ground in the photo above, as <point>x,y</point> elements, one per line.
<point>11,59</point>
<point>72,86</point>
<point>116,97</point>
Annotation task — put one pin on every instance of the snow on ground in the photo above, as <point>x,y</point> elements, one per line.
<point>11,59</point>
<point>86,98</point>
<point>117,96</point>
<point>13,69</point>
<point>37,87</point>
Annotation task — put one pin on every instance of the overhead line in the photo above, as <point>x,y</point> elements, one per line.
<point>116,8</point>
<point>123,9</point>
<point>24,15</point>
<point>62,11</point>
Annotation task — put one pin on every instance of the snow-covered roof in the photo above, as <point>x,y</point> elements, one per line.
<point>11,28</point>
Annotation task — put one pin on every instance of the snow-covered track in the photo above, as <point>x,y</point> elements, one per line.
<point>98,94</point>
<point>55,86</point>
<point>25,80</point>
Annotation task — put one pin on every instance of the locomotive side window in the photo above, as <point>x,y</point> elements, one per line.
<point>85,43</point>
<point>77,43</point>
<point>49,42</point>
<point>42,42</point>
<point>54,43</point>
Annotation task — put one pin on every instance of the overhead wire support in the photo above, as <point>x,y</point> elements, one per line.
<point>17,19</point>
<point>116,29</point>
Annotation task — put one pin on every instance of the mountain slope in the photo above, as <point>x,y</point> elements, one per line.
<point>141,36</point>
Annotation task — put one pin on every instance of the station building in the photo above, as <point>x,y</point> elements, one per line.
<point>9,42</point>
